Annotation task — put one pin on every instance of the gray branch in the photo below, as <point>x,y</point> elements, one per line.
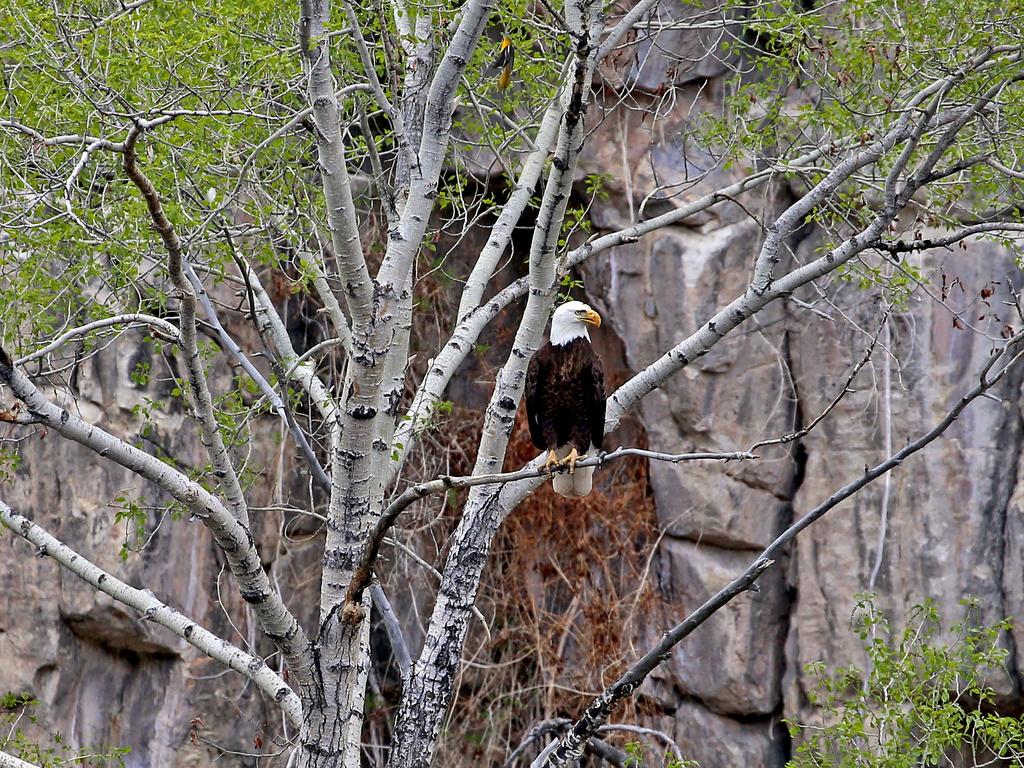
<point>152,609</point>
<point>268,391</point>
<point>10,761</point>
<point>364,571</point>
<point>393,627</point>
<point>159,326</point>
<point>231,535</point>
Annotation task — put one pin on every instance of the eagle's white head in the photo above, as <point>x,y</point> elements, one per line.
<point>570,321</point>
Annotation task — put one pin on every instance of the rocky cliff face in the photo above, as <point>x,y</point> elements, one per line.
<point>950,523</point>
<point>103,676</point>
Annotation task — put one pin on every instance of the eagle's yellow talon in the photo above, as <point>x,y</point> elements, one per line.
<point>551,461</point>
<point>571,460</point>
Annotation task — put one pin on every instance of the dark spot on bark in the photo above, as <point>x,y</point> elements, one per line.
<point>363,412</point>
<point>338,559</point>
<point>253,596</point>
<point>282,694</point>
<point>507,403</point>
<point>316,749</point>
<point>187,632</point>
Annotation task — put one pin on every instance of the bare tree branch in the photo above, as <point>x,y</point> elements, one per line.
<point>393,626</point>
<point>752,301</point>
<point>843,391</point>
<point>55,141</point>
<point>268,391</point>
<point>200,390</point>
<point>511,212</point>
<point>10,761</point>
<point>341,215</point>
<point>156,611</point>
<point>927,243</point>
<point>364,570</point>
<point>161,327</point>
<point>269,322</point>
<point>231,535</point>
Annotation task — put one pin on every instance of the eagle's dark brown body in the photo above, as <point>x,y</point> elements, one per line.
<point>565,400</point>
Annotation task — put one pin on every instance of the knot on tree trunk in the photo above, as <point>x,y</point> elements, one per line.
<point>352,613</point>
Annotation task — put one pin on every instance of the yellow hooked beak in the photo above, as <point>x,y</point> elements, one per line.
<point>592,318</point>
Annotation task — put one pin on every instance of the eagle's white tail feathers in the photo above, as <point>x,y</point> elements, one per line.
<point>576,485</point>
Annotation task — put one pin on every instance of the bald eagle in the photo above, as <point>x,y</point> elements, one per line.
<point>565,400</point>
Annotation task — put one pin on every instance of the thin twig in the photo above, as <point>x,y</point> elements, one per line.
<point>159,326</point>
<point>803,431</point>
<point>363,572</point>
